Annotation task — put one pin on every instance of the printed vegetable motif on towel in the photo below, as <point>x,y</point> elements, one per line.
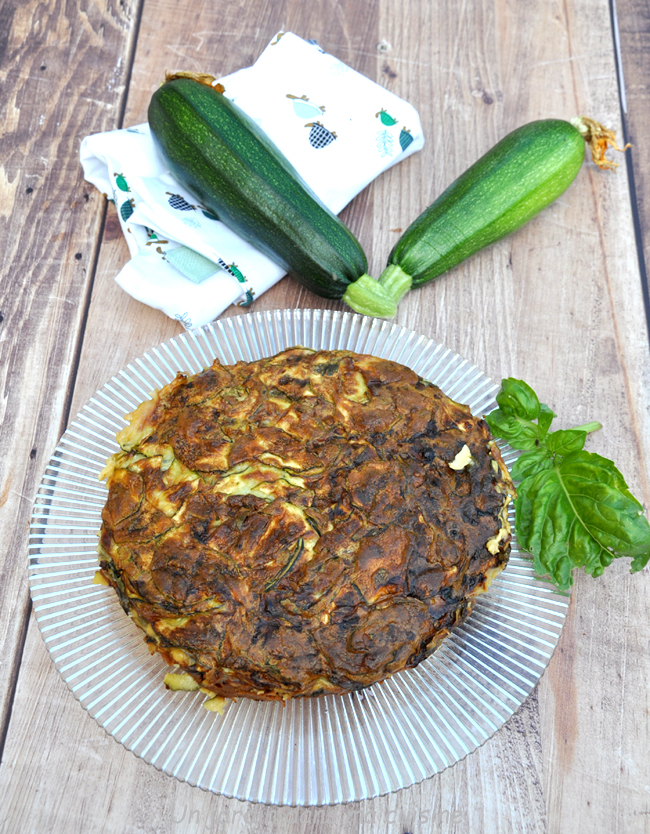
<point>385,139</point>
<point>180,203</point>
<point>305,109</point>
<point>386,118</point>
<point>127,208</point>
<point>121,182</point>
<point>319,135</point>
<point>405,138</point>
<point>233,270</point>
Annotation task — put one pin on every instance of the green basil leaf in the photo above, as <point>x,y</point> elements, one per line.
<point>502,424</point>
<point>544,420</point>
<point>580,513</point>
<point>518,433</point>
<point>530,463</point>
<point>565,441</point>
<point>518,399</point>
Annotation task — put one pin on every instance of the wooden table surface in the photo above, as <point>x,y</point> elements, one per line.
<point>563,303</point>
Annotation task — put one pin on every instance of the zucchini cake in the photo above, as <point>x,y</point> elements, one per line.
<point>305,524</point>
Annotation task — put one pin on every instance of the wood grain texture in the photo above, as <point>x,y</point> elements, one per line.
<point>559,303</point>
<point>63,75</point>
<point>82,780</point>
<point>633,17</point>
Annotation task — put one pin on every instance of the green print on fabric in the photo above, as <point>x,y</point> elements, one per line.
<point>194,266</point>
<point>153,238</point>
<point>384,141</point>
<point>233,270</point>
<point>127,209</point>
<point>250,297</point>
<point>405,138</point>
<point>386,118</point>
<point>121,182</point>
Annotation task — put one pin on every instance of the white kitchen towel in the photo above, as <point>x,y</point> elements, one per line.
<point>339,130</point>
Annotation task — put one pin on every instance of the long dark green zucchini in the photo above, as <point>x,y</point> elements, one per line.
<point>222,157</point>
<point>516,179</point>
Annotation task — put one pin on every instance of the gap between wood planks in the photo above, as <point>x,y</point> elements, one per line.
<point>636,218</point>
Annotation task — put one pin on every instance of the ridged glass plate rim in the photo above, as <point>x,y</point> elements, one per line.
<point>318,751</point>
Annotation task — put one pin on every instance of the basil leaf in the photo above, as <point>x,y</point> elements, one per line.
<point>520,434</point>
<point>530,463</point>
<point>514,420</point>
<point>564,441</point>
<point>544,420</point>
<point>580,513</point>
<point>573,508</point>
<point>518,399</point>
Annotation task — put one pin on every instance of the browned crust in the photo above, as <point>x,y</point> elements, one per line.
<point>293,526</point>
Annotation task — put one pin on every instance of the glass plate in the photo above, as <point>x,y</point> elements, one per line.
<point>312,751</point>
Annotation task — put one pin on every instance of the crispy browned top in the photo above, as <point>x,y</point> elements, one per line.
<point>293,526</point>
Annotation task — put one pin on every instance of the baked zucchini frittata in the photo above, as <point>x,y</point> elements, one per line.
<point>305,524</point>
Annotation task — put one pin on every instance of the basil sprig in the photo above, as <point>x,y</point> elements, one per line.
<point>573,508</point>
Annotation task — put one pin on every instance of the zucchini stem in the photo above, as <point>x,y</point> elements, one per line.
<point>599,139</point>
<point>368,297</point>
<point>200,77</point>
<point>379,298</point>
<point>395,281</point>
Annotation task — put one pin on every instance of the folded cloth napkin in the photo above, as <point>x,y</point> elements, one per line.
<point>338,129</point>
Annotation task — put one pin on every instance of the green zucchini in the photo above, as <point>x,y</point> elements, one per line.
<point>516,179</point>
<point>223,158</point>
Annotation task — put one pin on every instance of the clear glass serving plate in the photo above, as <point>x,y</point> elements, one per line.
<point>311,751</point>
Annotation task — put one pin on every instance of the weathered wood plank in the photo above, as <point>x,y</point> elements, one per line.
<point>63,75</point>
<point>85,781</point>
<point>594,344</point>
<point>634,39</point>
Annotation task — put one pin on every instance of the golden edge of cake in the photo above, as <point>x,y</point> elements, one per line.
<point>142,422</point>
